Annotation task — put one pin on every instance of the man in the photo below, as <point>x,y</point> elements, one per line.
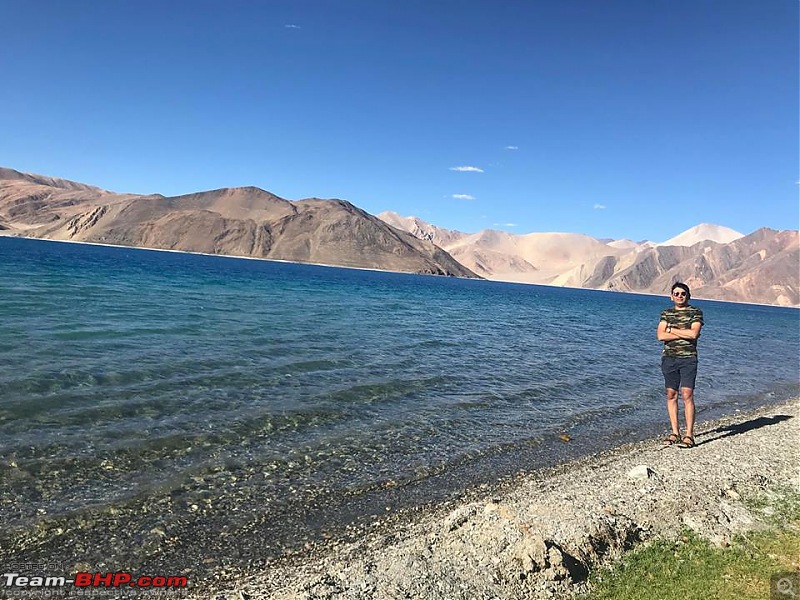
<point>679,329</point>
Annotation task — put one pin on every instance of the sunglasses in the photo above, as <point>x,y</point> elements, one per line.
<point>679,294</point>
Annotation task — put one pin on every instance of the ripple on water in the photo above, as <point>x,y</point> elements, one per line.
<point>132,377</point>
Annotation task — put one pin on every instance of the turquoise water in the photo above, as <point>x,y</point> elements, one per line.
<point>129,376</point>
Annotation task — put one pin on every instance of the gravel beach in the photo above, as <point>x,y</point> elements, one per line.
<point>540,535</point>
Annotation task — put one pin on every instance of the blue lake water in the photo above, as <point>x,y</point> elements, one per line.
<point>131,374</point>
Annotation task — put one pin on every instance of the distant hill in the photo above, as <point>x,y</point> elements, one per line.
<point>705,232</point>
<point>762,267</point>
<point>717,262</point>
<point>548,258</point>
<point>235,221</point>
<point>624,244</point>
<point>420,229</point>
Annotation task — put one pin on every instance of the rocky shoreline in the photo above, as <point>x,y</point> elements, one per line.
<point>540,535</point>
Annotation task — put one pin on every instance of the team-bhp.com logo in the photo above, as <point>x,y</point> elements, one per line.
<point>119,579</point>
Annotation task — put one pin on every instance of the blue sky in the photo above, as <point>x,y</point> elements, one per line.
<point>622,119</point>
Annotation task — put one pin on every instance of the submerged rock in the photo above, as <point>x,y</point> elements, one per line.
<point>552,529</point>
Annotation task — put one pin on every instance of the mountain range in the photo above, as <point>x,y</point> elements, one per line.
<point>717,262</point>
<point>244,221</point>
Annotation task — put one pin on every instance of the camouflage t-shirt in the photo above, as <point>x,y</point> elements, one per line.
<point>681,319</point>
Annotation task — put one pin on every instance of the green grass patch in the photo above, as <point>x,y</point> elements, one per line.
<point>693,569</point>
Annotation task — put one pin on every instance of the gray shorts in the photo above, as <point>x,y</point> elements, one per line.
<point>679,372</point>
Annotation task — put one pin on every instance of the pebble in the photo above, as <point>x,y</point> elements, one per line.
<point>641,472</point>
<point>467,552</point>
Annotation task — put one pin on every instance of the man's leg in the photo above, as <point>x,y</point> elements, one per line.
<point>688,408</point>
<point>672,380</point>
<point>672,410</point>
<point>688,371</point>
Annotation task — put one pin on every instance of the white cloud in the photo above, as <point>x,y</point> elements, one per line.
<point>505,225</point>
<point>290,26</point>
<point>463,197</point>
<point>467,169</point>
<point>512,147</point>
<point>599,206</point>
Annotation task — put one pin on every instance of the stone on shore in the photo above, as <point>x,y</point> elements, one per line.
<point>541,537</point>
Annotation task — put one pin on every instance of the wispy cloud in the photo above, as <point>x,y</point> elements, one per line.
<point>512,147</point>
<point>463,197</point>
<point>290,26</point>
<point>505,225</point>
<point>467,169</point>
<point>599,206</point>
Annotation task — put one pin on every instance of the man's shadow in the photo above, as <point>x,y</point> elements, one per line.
<point>737,428</point>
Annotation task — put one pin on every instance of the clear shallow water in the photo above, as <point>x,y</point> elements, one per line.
<point>126,374</point>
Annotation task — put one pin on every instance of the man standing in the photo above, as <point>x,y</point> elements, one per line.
<point>679,329</point>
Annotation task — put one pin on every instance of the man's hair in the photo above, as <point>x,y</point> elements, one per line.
<point>683,286</point>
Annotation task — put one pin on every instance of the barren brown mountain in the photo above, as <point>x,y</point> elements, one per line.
<point>235,221</point>
<point>761,267</point>
<point>422,230</point>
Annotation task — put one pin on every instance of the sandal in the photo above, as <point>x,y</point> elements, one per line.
<point>686,442</point>
<point>672,438</point>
